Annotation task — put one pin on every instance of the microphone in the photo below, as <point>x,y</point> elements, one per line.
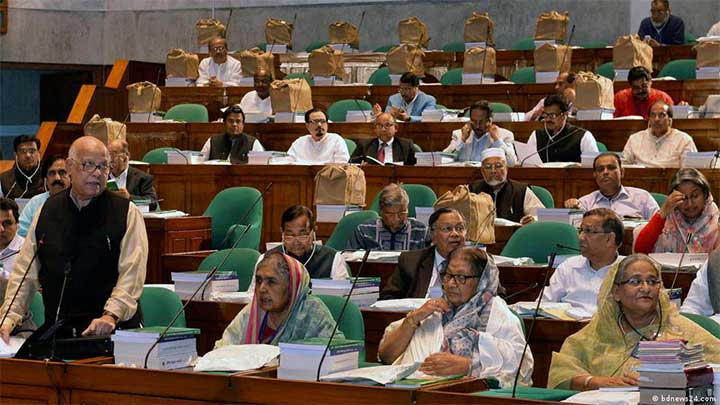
<point>682,256</point>
<point>532,324</point>
<point>561,246</point>
<point>40,243</point>
<point>524,290</point>
<point>342,312</point>
<point>247,213</point>
<point>570,38</point>
<point>202,286</point>
<point>57,324</point>
<point>544,148</point>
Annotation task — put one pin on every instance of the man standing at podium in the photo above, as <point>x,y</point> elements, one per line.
<point>91,248</point>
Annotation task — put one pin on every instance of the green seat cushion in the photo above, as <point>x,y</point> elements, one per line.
<point>536,393</point>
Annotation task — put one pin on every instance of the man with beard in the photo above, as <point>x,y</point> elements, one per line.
<point>638,99</point>
<point>23,180</point>
<point>319,147</point>
<point>479,134</point>
<point>56,180</point>
<point>661,27</point>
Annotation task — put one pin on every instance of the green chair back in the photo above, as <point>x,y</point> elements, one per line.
<point>227,208</point>
<point>544,195</point>
<point>455,46</point>
<point>188,113</point>
<point>157,156</point>
<point>315,45</point>
<point>380,77</point>
<point>594,44</point>
<point>681,69</point>
<point>524,75</point>
<point>500,107</point>
<point>451,77</point>
<point>352,324</point>
<point>37,309</point>
<point>534,393</point>
<point>338,110</point>
<point>301,75</point>
<point>606,70</point>
<point>689,39</point>
<point>241,261</point>
<point>420,195</point>
<point>159,305</point>
<point>384,48</point>
<point>262,46</point>
<point>601,146</point>
<point>351,145</point>
<point>526,44</point>
<point>659,198</point>
<point>538,240</point>
<point>346,227</point>
<point>416,147</point>
<point>708,324</point>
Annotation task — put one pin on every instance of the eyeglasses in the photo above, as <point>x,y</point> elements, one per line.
<point>90,167</point>
<point>318,122</point>
<point>589,231</point>
<point>30,151</point>
<point>459,278</point>
<point>117,155</point>
<point>459,228</point>
<point>496,166</point>
<point>637,282</point>
<point>219,48</point>
<point>304,237</point>
<point>551,116</point>
<point>405,89</point>
<point>384,126</point>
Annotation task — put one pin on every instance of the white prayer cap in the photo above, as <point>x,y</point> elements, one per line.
<point>492,152</point>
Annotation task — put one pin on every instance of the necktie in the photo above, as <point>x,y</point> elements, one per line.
<point>381,152</point>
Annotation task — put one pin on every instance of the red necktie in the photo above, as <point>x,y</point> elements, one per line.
<point>381,152</point>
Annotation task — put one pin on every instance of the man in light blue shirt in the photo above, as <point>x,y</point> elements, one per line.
<point>56,180</point>
<point>479,134</point>
<point>410,102</point>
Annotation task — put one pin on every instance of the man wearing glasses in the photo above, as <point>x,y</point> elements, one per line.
<point>298,241</point>
<point>417,274</point>
<point>89,240</point>
<point>132,183</point>
<point>386,147</point>
<point>660,145</point>
<point>479,134</point>
<point>637,99</point>
<point>320,146</point>
<point>577,280</point>
<point>513,200</point>
<point>410,102</point>
<point>24,179</point>
<point>219,70</point>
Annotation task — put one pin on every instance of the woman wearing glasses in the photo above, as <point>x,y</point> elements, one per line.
<point>633,307</point>
<point>469,331</point>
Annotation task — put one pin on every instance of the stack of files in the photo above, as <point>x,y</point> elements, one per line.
<point>595,114</point>
<point>366,292</point>
<point>564,215</point>
<point>671,370</point>
<point>299,360</point>
<point>700,160</point>
<point>553,310</point>
<point>433,158</point>
<point>187,282</point>
<point>334,213</point>
<point>177,349</point>
<point>384,256</point>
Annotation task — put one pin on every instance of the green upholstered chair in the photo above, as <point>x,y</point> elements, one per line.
<point>659,198</point>
<point>301,75</point>
<point>530,393</point>
<point>241,261</point>
<point>500,107</point>
<point>544,195</point>
<point>338,110</point>
<point>689,39</point>
<point>384,48</point>
<point>452,76</point>
<point>526,44</point>
<point>416,147</point>
<point>538,240</point>
<point>159,305</point>
<point>593,44</point>
<point>524,75</point>
<point>455,46</point>
<point>37,309</point>
<point>262,46</point>
<point>228,207</point>
<point>352,324</point>
<point>606,70</point>
<point>706,323</point>
<point>315,45</point>
<point>601,146</point>
<point>351,145</point>
<point>346,227</point>
<point>420,195</point>
<point>681,69</point>
<point>187,113</point>
<point>156,156</point>
<point>380,77</point>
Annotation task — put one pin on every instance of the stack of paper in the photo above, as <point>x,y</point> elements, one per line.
<point>564,215</point>
<point>177,349</point>
<point>334,213</point>
<point>386,256</point>
<point>299,360</point>
<point>433,158</point>
<point>691,262</point>
<point>165,214</point>
<point>596,114</point>
<point>366,292</point>
<point>187,282</point>
<point>552,310</point>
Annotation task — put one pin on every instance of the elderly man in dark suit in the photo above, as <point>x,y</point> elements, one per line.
<point>132,183</point>
<point>418,272</point>
<point>386,147</point>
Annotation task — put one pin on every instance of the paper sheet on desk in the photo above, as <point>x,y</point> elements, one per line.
<point>238,358</point>
<point>243,297</point>
<point>9,350</point>
<point>690,260</point>
<point>512,261</point>
<point>378,374</point>
<point>399,305</point>
<point>506,222</point>
<point>527,154</point>
<point>357,255</point>
<point>554,310</point>
<point>165,214</point>
<point>603,397</point>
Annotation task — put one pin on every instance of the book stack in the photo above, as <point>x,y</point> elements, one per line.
<point>673,372</point>
<point>299,360</point>
<point>187,282</point>
<point>366,292</point>
<point>177,349</point>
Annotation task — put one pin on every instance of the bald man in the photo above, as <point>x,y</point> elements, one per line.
<point>132,183</point>
<point>91,240</point>
<point>258,100</point>
<point>219,69</point>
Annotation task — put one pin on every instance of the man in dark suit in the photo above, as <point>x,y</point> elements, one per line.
<point>132,183</point>
<point>386,147</point>
<point>418,272</point>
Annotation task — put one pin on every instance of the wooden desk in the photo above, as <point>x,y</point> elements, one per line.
<point>173,235</point>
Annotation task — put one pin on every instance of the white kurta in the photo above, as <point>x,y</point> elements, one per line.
<point>666,151</point>
<point>251,103</point>
<point>257,147</point>
<point>698,298</point>
<point>229,72</point>
<point>330,149</point>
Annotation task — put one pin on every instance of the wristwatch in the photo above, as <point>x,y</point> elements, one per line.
<point>111,315</point>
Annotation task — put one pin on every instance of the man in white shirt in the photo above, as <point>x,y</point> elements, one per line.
<point>56,180</point>
<point>10,240</point>
<point>577,280</point>
<point>659,145</point>
<point>258,100</point>
<point>629,202</point>
<point>479,134</point>
<point>704,295</point>
<point>219,70</point>
<point>320,146</point>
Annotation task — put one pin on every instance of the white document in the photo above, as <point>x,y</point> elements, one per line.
<point>696,260</point>
<point>238,358</point>
<point>378,256</point>
<point>378,374</point>
<point>603,397</point>
<point>9,350</point>
<point>400,304</point>
<point>527,154</point>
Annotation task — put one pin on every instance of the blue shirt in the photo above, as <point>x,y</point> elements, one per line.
<point>629,202</point>
<point>28,213</point>
<point>415,108</point>
<point>472,151</point>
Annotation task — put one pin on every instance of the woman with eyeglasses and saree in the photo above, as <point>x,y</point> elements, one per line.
<point>469,331</point>
<point>633,307</point>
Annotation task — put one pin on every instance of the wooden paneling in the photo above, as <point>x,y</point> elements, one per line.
<point>174,235</point>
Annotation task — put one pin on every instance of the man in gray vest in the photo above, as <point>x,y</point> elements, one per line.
<point>704,295</point>
<point>234,144</point>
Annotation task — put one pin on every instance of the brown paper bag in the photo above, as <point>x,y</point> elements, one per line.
<point>552,58</point>
<point>256,59</point>
<point>413,31</point>
<point>630,51</point>
<point>143,97</point>
<point>278,32</point>
<point>479,28</point>
<point>405,58</point>
<point>477,209</point>
<point>477,62</point>
<point>179,63</point>
<point>337,184</point>
<point>326,62</point>
<point>708,53</point>
<point>593,92</point>
<point>293,95</point>
<point>207,29</point>
<point>343,32</point>
<point>551,26</point>
<point>105,129</point>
